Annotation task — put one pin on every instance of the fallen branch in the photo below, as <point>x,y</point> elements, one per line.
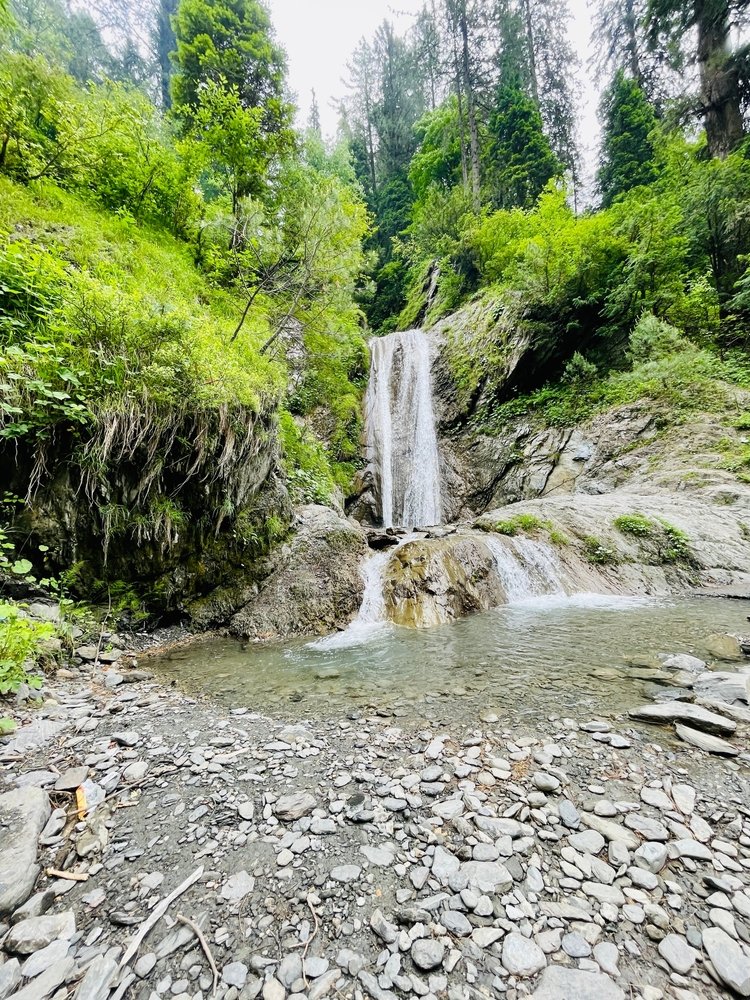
<point>157,914</point>
<point>204,945</point>
<point>310,939</point>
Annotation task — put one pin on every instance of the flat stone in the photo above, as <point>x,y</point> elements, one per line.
<point>273,990</point>
<point>487,876</point>
<point>315,966</point>
<point>294,806</point>
<point>45,984</point>
<point>234,974</point>
<point>569,814</point>
<point>522,956</point>
<point>606,955</point>
<point>587,841</point>
<point>237,887</point>
<point>346,873</point>
<point>730,961</point>
<point>385,930</point>
<point>611,830</point>
<point>290,969</point>
<point>483,937</point>
<point>444,864</point>
<point>456,923</point>
<point>560,983</point>
<point>705,741</point>
<point>10,977</point>
<point>36,933</point>
<point>427,953</point>
<point>145,965</point>
<point>680,711</point>
<point>380,856</point>
<point>23,815</point>
<point>675,950</point>
<point>576,946</point>
<point>100,975</point>
<point>38,961</point>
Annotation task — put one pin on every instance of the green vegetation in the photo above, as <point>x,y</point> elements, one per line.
<point>668,543</point>
<point>635,524</point>
<point>20,640</point>
<point>598,553</point>
<point>526,524</point>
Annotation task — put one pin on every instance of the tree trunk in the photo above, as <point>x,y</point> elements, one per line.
<point>530,41</point>
<point>630,23</point>
<point>476,179</point>
<point>165,43</point>
<point>720,90</point>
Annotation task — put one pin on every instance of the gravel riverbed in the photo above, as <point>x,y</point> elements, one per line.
<point>156,846</point>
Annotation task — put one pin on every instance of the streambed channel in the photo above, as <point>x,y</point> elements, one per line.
<point>547,656</point>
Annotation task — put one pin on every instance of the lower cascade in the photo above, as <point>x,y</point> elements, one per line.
<point>401,435</point>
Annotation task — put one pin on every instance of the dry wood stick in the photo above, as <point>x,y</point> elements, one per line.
<point>157,914</point>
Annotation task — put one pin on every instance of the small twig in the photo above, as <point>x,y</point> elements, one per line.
<point>157,914</point>
<point>204,945</point>
<point>310,939</point>
<point>70,876</point>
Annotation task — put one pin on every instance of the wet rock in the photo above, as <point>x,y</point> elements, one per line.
<point>560,983</point>
<point>23,815</point>
<point>723,647</point>
<point>704,741</point>
<point>692,715</point>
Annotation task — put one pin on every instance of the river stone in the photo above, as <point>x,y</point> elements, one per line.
<point>10,977</point>
<point>678,711</point>
<point>723,686</point>
<point>682,661</point>
<point>569,815</point>
<point>346,873</point>
<point>41,960</point>
<point>71,779</point>
<point>23,815</point>
<point>559,983</point>
<point>234,974</point>
<point>237,887</point>
<point>651,857</point>
<point>456,923</point>
<point>607,956</point>
<point>487,876</point>
<point>730,961</point>
<point>291,807</point>
<point>610,830</point>
<point>290,969</point>
<point>675,950</point>
<point>427,953</point>
<point>45,984</point>
<point>704,741</point>
<point>587,841</point>
<point>521,956</point>
<point>37,932</point>
<point>444,864</point>
<point>385,930</point>
<point>98,979</point>
<point>723,647</point>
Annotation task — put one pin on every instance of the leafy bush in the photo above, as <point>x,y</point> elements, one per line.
<point>521,522</point>
<point>652,339</point>
<point>20,638</point>
<point>675,546</point>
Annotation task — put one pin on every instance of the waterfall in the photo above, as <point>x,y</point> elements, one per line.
<point>371,615</point>
<point>526,568</point>
<point>401,436</point>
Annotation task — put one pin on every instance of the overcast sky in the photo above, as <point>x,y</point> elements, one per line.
<point>320,35</point>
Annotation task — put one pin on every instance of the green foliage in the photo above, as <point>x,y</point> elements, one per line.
<point>599,553</point>
<point>635,524</point>
<point>528,523</point>
<point>228,43</point>
<point>627,152</point>
<point>652,339</point>
<point>311,478</point>
<point>20,640</point>
<point>437,162</point>
<point>579,372</point>
<point>675,547</point>
<point>519,159</point>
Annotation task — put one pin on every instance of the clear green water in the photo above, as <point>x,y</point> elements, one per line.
<point>551,656</point>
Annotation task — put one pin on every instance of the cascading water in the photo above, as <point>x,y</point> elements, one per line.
<point>401,436</point>
<point>526,568</point>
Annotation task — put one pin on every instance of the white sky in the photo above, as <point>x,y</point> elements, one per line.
<point>320,36</point>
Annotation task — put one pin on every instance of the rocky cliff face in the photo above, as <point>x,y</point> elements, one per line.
<point>314,585</point>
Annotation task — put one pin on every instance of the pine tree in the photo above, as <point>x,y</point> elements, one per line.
<point>520,160</point>
<point>627,151</point>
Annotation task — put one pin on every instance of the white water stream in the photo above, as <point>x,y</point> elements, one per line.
<point>401,435</point>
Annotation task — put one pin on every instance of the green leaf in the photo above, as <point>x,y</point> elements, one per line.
<point>22,567</point>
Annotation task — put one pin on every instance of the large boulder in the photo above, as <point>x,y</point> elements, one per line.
<point>23,814</point>
<point>315,585</point>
